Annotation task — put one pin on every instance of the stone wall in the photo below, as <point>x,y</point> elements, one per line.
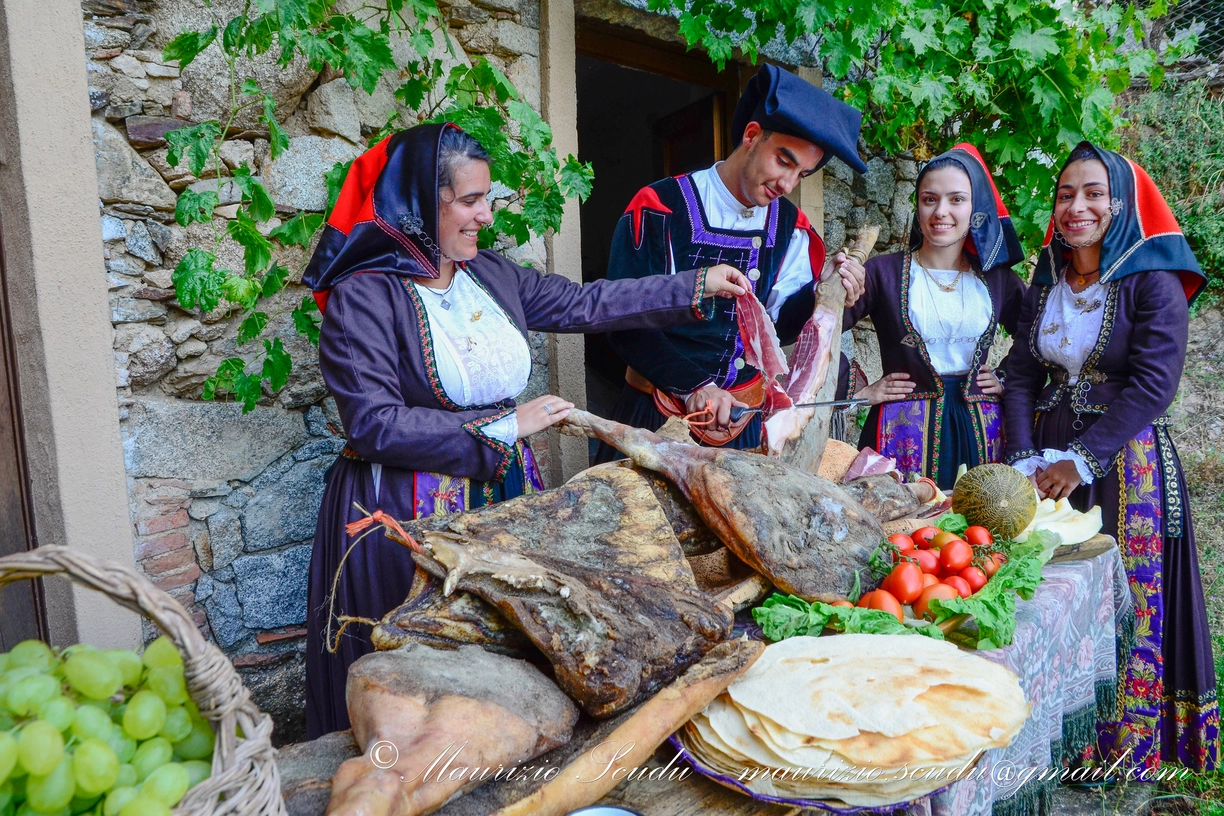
<point>223,505</point>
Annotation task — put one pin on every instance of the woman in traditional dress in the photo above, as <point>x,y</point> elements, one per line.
<point>1096,364</point>
<point>424,345</point>
<point>935,308</point>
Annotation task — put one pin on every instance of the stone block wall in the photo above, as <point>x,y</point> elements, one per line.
<point>223,505</point>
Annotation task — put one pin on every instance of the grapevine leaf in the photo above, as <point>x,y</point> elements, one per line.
<point>277,364</point>
<point>241,290</point>
<point>334,178</point>
<point>1033,46</point>
<point>278,140</point>
<point>260,206</point>
<point>364,54</point>
<point>188,45</point>
<point>273,281</point>
<point>298,230</point>
<point>251,327</point>
<point>257,252</point>
<point>306,320</point>
<point>193,206</point>
<point>197,281</point>
<point>195,143</point>
<point>576,178</point>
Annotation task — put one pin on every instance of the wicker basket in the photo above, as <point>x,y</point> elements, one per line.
<point>244,780</point>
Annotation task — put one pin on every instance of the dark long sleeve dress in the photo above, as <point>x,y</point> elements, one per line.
<point>378,359</point>
<point>1115,418</point>
<point>915,431</point>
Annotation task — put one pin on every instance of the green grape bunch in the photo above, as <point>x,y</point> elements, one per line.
<point>98,732</point>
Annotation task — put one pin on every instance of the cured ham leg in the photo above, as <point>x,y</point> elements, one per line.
<point>802,532</point>
<point>762,350</point>
<point>419,706</point>
<point>798,435</point>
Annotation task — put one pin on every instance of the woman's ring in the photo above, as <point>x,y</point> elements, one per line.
<point>547,409</point>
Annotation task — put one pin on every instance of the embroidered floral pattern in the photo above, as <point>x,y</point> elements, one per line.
<point>701,308</point>
<point>427,348</point>
<point>507,452</point>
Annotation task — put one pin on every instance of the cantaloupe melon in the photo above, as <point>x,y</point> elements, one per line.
<point>996,496</point>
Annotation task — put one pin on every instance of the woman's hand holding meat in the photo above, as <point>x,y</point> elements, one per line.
<point>1058,480</point>
<point>989,383</point>
<point>888,388</point>
<point>725,280</point>
<point>542,412</point>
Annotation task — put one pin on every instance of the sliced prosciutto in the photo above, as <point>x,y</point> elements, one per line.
<point>818,346</point>
<point>762,350</point>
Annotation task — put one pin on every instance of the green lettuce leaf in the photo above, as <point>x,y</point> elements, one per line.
<point>953,523</point>
<point>783,616</point>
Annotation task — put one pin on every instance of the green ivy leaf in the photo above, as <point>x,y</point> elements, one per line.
<point>306,319</point>
<point>197,282</point>
<point>195,142</point>
<point>188,45</point>
<point>251,327</point>
<point>298,230</point>
<point>193,206</point>
<point>273,281</point>
<point>277,364</point>
<point>257,250</point>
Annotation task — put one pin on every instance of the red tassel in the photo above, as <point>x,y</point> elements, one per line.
<point>387,520</point>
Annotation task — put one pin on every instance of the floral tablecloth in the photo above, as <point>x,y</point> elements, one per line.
<point>1065,654</point>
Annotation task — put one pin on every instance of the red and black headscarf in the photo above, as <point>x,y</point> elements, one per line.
<point>1142,237</point>
<point>991,234</point>
<point>386,218</point>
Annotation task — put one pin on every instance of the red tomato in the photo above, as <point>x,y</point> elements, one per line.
<point>975,577</point>
<point>928,580</point>
<point>904,582</point>
<point>956,555</point>
<point>923,535</point>
<point>883,600</point>
<point>928,561</point>
<point>901,541</point>
<point>960,585</point>
<point>941,591</point>
<point>989,566</point>
<point>842,603</point>
<point>978,536</point>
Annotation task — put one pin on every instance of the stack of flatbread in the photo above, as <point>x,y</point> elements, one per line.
<point>864,720</point>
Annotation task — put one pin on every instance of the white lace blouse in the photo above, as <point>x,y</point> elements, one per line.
<point>950,322</point>
<point>1069,328</point>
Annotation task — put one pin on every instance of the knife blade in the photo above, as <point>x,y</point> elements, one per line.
<point>737,412</point>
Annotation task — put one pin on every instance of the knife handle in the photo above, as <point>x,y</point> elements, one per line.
<point>737,413</point>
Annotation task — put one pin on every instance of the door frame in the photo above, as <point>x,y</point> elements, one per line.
<point>8,365</point>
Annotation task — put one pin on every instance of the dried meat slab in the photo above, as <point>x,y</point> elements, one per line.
<point>804,533</point>
<point>613,636</point>
<point>591,573</point>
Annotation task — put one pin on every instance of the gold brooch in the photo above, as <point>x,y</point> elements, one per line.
<point>1050,329</point>
<point>476,315</point>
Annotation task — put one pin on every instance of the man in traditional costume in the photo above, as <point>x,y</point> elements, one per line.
<point>732,214</point>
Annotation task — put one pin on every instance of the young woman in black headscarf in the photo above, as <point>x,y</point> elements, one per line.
<point>424,347</point>
<point>935,308</point>
<point>1097,360</point>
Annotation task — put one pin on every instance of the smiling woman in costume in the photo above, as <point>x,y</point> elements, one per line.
<point>424,346</point>
<point>935,308</point>
<point>1096,364</point>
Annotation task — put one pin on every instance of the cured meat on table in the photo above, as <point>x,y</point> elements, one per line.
<point>591,573</point>
<point>613,636</point>
<point>425,702</point>
<point>802,532</point>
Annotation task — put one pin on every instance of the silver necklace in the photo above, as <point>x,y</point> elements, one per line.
<point>445,303</point>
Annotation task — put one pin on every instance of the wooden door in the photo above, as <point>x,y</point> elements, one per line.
<point>690,139</point>
<point>22,613</point>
